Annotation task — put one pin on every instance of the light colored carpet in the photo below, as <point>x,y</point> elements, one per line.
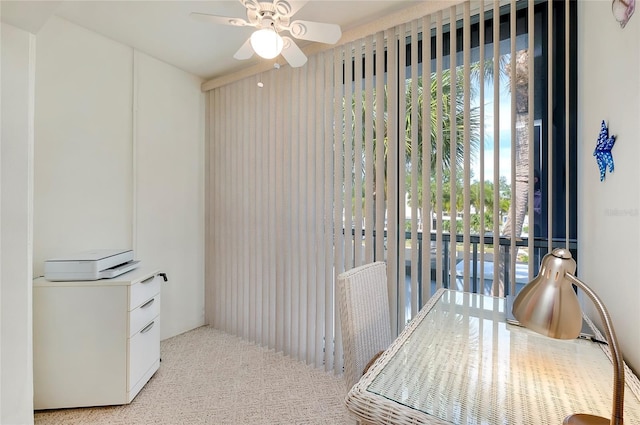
<point>209,377</point>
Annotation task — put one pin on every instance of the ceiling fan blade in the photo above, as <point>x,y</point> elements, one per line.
<point>315,31</point>
<point>296,5</point>
<point>245,51</point>
<point>292,53</point>
<point>253,5</point>
<point>222,20</point>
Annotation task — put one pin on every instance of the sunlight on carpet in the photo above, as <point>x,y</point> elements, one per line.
<point>209,377</point>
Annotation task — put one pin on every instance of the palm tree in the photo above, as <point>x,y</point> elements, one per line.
<point>486,209</point>
<point>447,114</point>
<point>473,124</point>
<point>521,190</point>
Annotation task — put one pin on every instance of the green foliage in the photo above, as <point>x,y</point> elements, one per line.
<point>434,97</point>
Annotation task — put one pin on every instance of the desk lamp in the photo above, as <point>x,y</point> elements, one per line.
<point>549,306</point>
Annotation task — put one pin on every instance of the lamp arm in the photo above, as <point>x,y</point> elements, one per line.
<point>616,354</point>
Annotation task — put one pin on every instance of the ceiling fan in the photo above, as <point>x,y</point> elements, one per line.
<point>272,18</point>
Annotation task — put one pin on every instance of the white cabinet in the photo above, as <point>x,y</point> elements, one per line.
<point>95,343</point>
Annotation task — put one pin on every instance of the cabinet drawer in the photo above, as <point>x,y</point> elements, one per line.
<point>144,350</point>
<point>143,315</point>
<point>144,290</point>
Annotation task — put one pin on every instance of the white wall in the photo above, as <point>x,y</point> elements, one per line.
<point>16,207</point>
<point>169,151</point>
<point>609,211</point>
<point>119,162</point>
<point>83,154</point>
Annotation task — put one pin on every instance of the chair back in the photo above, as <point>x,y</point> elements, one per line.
<point>363,305</point>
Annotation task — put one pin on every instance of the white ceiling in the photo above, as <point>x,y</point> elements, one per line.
<point>164,29</point>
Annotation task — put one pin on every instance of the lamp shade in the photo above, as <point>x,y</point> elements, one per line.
<point>548,304</point>
<point>267,43</point>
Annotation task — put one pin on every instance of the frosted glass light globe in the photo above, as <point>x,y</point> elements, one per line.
<point>266,43</point>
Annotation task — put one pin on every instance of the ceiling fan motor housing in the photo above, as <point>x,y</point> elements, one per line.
<point>268,14</point>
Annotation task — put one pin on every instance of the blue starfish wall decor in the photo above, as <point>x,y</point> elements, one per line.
<point>602,153</point>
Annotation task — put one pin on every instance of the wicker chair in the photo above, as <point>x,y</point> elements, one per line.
<point>363,305</point>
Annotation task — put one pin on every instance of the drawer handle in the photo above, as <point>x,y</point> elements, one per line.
<point>149,279</point>
<point>148,303</point>
<point>148,327</point>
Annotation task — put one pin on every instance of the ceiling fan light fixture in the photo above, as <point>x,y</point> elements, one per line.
<point>267,43</point>
<point>272,21</point>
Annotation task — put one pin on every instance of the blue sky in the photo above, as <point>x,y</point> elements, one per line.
<point>505,133</point>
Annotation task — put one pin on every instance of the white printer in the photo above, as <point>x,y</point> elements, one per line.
<point>90,265</point>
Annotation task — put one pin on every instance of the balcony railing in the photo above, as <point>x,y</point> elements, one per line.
<point>478,284</point>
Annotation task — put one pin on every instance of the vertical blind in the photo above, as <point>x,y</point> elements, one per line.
<point>414,145</point>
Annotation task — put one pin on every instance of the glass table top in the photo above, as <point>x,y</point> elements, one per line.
<point>462,363</point>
